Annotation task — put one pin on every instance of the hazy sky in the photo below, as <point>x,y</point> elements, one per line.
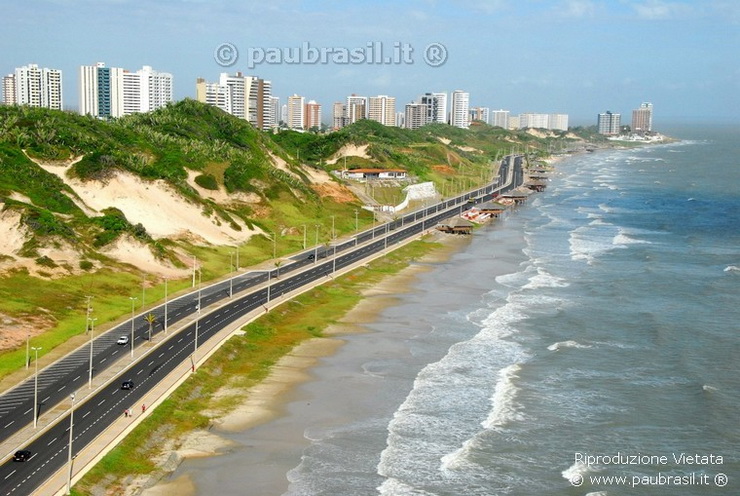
<point>579,57</point>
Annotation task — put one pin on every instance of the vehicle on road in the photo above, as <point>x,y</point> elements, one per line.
<point>22,456</point>
<point>122,340</point>
<point>129,384</point>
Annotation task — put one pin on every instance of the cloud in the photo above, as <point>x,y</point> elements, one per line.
<point>659,9</point>
<point>484,6</point>
<point>578,8</point>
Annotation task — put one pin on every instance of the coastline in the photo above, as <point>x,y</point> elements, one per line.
<point>265,401</point>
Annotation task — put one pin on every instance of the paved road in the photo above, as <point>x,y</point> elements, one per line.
<point>59,380</point>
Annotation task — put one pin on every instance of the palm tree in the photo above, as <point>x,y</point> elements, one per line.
<point>278,264</point>
<point>151,319</point>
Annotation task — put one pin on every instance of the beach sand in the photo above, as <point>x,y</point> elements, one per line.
<point>268,458</point>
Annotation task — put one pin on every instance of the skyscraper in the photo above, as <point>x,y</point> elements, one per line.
<point>338,115</point>
<point>245,97</point>
<point>609,123</point>
<point>436,106</point>
<point>416,116</point>
<point>356,108</point>
<point>382,108</point>
<point>38,87</point>
<point>296,112</point>
<point>500,118</point>
<point>480,114</point>
<point>642,118</point>
<point>9,89</point>
<point>460,109</point>
<point>312,115</point>
<point>113,92</point>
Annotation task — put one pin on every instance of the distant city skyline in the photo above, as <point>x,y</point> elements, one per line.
<point>575,57</point>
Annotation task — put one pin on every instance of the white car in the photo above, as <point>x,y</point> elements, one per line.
<point>122,340</point>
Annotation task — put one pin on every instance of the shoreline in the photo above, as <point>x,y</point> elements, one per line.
<point>265,401</point>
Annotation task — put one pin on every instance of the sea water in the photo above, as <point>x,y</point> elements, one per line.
<point>587,343</point>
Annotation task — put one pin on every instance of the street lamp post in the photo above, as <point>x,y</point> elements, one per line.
<point>28,350</point>
<point>231,275</point>
<point>316,248</point>
<point>133,302</point>
<point>304,236</point>
<point>69,452</point>
<point>357,226</point>
<point>92,334</point>
<point>165,305</point>
<point>333,231</point>
<point>36,387</point>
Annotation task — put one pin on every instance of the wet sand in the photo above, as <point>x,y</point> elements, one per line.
<point>270,456</point>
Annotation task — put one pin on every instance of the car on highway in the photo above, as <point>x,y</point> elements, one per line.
<point>122,340</point>
<point>22,456</point>
<point>128,384</point>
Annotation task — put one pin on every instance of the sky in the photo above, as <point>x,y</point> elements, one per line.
<point>579,57</point>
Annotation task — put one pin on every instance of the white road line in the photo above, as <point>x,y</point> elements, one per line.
<point>101,402</point>
<point>11,473</point>
<point>51,441</point>
<point>9,424</point>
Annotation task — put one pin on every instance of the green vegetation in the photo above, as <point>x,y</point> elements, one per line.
<point>242,362</point>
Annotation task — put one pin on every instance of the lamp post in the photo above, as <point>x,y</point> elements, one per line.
<point>269,284</point>
<point>316,248</point>
<point>92,334</point>
<point>69,452</point>
<point>357,226</point>
<point>231,278</point>
<point>304,236</point>
<point>333,231</point>
<point>28,350</point>
<point>165,305</point>
<point>36,387</point>
<point>195,264</point>
<point>133,302</point>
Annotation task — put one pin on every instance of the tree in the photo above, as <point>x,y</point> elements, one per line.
<point>151,320</point>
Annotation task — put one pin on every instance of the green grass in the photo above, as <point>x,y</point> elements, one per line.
<point>242,362</point>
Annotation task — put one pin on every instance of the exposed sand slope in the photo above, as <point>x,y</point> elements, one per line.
<point>349,151</point>
<point>154,204</point>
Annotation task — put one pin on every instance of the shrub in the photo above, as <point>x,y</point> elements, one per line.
<point>206,181</point>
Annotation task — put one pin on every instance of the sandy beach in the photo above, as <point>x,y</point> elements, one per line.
<point>266,402</point>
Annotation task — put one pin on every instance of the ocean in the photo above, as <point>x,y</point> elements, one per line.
<point>585,344</point>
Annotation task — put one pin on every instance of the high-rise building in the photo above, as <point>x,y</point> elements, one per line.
<point>460,109</point>
<point>480,114</point>
<point>38,87</point>
<point>400,119</point>
<point>416,115</point>
<point>382,108</point>
<point>101,90</point>
<point>9,89</point>
<point>500,118</point>
<point>312,115</point>
<point>436,106</point>
<point>356,108</point>
<point>609,123</point>
<point>558,122</point>
<point>245,97</point>
<point>642,118</point>
<point>275,105</point>
<point>113,92</point>
<point>338,115</point>
<point>296,116</point>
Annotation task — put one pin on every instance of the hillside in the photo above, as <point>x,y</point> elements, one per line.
<point>111,209</point>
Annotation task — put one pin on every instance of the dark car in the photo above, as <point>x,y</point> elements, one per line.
<point>127,384</point>
<point>311,256</point>
<point>22,456</point>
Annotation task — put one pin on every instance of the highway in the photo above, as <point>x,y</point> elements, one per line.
<point>57,381</point>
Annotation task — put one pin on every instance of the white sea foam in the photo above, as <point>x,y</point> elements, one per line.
<point>732,268</point>
<point>544,279</point>
<point>578,469</point>
<point>567,344</point>
<point>624,239</point>
<point>504,408</point>
<point>394,487</point>
<point>708,388</point>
